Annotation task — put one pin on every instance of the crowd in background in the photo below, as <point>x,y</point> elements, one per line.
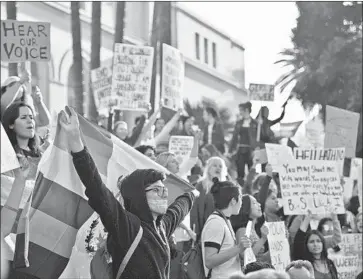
<point>231,191</point>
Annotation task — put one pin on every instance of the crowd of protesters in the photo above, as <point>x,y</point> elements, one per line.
<point>218,213</point>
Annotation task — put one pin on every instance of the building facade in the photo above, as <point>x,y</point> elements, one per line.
<point>214,63</point>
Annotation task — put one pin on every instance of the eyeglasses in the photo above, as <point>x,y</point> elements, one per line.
<point>161,191</point>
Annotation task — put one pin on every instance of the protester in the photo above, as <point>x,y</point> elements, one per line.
<point>300,270</point>
<point>159,125</point>
<point>244,139</point>
<point>251,211</point>
<point>204,205</point>
<point>255,266</point>
<point>265,273</point>
<point>145,205</point>
<point>121,131</point>
<point>147,150</point>
<point>213,132</point>
<point>186,128</point>
<point>221,253</point>
<point>315,251</point>
<point>325,226</point>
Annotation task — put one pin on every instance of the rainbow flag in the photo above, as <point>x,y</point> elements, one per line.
<point>58,209</point>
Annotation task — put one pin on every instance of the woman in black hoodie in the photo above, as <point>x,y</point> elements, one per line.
<point>145,204</point>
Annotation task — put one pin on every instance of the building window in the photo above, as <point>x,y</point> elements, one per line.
<point>214,53</point>
<point>197,50</point>
<point>206,50</point>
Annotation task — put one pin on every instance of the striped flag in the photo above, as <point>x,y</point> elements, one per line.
<point>287,130</point>
<point>58,207</point>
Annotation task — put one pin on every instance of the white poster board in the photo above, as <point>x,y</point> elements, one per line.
<point>173,78</point>
<point>351,245</point>
<point>25,41</point>
<point>181,146</point>
<point>131,77</point>
<point>279,245</point>
<point>9,161</point>
<point>341,129</point>
<point>313,185</point>
<point>277,155</point>
<point>101,79</point>
<point>261,92</point>
<point>347,266</point>
<point>323,154</point>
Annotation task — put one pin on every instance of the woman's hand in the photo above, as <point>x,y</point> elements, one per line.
<point>264,231</point>
<point>70,123</point>
<point>24,169</point>
<point>244,243</point>
<point>37,96</point>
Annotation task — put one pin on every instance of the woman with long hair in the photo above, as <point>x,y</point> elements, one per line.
<point>204,205</point>
<point>220,249</point>
<point>251,211</point>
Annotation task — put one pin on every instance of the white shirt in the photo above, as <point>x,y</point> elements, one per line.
<point>217,231</point>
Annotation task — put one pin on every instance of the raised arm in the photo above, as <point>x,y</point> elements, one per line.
<point>336,238</point>
<point>178,210</point>
<point>136,133</point>
<point>277,120</point>
<point>43,117</point>
<point>187,165</point>
<point>116,220</point>
<point>165,132</point>
<point>148,126</point>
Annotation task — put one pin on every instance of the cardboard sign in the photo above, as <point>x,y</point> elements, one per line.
<point>279,245</point>
<point>173,78</point>
<point>261,92</point>
<point>347,266</point>
<point>341,130</point>
<point>313,185</point>
<point>324,154</point>
<point>131,77</point>
<point>260,156</point>
<point>25,41</point>
<point>277,155</point>
<point>101,79</point>
<point>351,245</point>
<point>181,146</point>
<point>248,255</point>
<point>9,161</point>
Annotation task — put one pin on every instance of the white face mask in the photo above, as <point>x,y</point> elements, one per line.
<point>158,206</point>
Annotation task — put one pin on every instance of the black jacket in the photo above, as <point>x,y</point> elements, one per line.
<point>151,259</point>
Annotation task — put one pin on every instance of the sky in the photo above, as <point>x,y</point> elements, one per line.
<point>264,28</point>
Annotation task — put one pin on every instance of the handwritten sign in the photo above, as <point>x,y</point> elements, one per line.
<point>181,146</point>
<point>324,154</point>
<point>9,161</point>
<point>261,92</point>
<point>279,245</point>
<point>25,41</point>
<point>347,266</point>
<point>101,85</point>
<point>173,78</point>
<point>131,77</point>
<point>341,130</point>
<point>313,185</point>
<point>351,245</point>
<point>277,155</point>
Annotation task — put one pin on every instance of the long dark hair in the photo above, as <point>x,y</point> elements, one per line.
<point>324,253</point>
<point>9,117</point>
<point>241,220</point>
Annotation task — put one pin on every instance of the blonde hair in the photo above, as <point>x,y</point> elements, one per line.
<point>207,180</point>
<point>267,274</point>
<point>164,158</point>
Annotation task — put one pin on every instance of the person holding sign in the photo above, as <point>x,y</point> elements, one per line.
<point>244,139</point>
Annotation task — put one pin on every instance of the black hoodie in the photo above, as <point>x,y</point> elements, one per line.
<point>151,259</point>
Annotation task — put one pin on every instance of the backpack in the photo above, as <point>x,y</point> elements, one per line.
<point>192,262</point>
<point>101,267</point>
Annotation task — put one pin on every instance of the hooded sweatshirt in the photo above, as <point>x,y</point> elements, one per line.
<point>151,259</point>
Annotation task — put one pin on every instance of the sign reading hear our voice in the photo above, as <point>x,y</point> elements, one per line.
<point>25,41</point>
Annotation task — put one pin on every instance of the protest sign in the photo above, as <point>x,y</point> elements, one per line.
<point>324,154</point>
<point>173,78</point>
<point>279,245</point>
<point>347,266</point>
<point>248,255</point>
<point>9,161</point>
<point>131,77</point>
<point>260,156</point>
<point>341,130</point>
<point>313,185</point>
<point>277,155</point>
<point>101,79</point>
<point>351,245</point>
<point>181,146</point>
<point>261,92</point>
<point>25,41</point>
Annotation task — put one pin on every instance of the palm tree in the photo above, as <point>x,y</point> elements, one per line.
<point>11,12</point>
<point>119,34</point>
<point>77,56</point>
<point>95,53</point>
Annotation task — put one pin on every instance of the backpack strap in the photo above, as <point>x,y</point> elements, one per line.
<point>129,253</point>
